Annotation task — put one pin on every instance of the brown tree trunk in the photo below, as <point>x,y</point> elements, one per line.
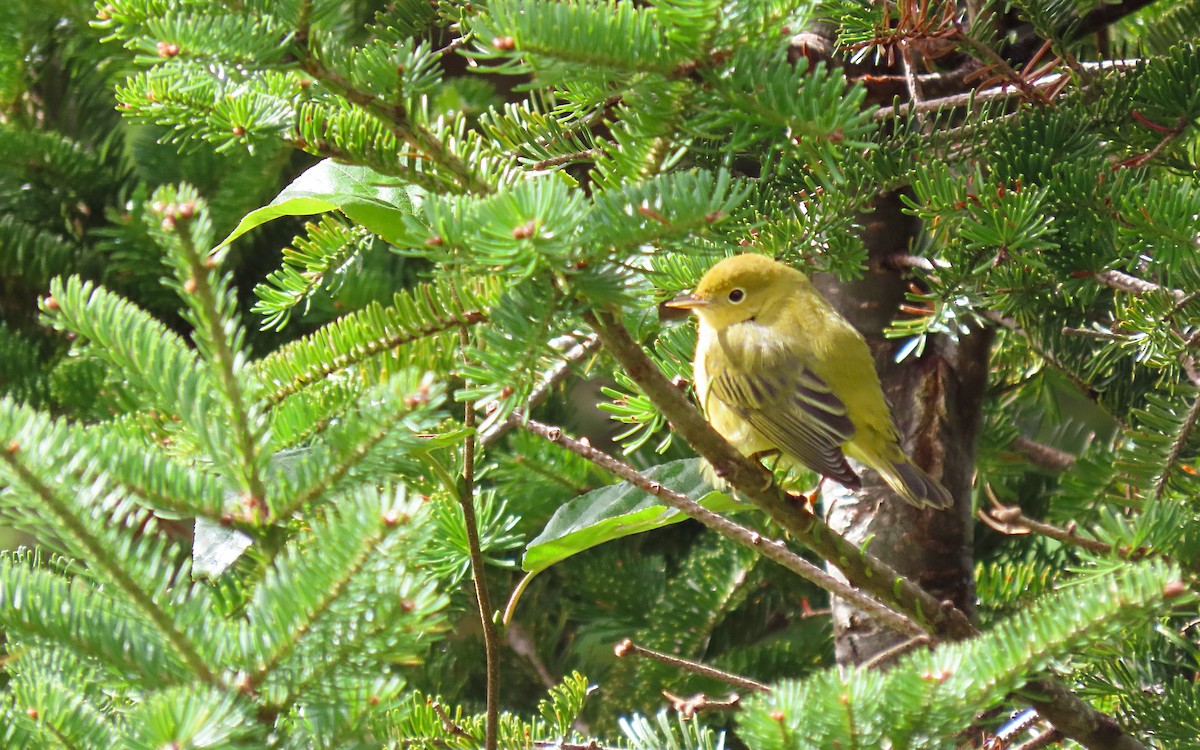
<point>936,401</point>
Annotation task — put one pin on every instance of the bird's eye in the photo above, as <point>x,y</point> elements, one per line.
<point>736,296</point>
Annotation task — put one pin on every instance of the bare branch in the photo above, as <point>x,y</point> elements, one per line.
<point>628,647</point>
<point>483,598</point>
<point>772,549</point>
<point>1044,456</point>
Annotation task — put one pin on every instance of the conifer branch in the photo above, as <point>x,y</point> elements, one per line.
<point>1185,433</point>
<point>627,647</point>
<point>483,597</point>
<point>397,120</point>
<point>1170,133</point>
<point>1050,358</point>
<point>99,557</point>
<point>328,598</point>
<point>223,355</point>
<point>895,652</point>
<point>383,333</point>
<point>342,467</point>
<point>772,549</point>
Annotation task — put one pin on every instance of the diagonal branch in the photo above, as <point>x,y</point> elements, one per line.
<point>772,549</point>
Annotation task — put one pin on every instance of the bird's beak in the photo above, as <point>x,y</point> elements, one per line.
<point>687,302</point>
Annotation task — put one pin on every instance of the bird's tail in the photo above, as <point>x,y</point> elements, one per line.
<point>914,485</point>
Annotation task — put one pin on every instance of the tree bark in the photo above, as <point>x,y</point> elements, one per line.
<point>936,401</point>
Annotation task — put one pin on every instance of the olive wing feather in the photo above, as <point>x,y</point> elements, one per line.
<point>795,410</point>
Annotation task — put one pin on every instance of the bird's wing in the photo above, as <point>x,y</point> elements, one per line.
<point>789,405</point>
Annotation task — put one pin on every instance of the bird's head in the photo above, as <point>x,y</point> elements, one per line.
<point>740,288</point>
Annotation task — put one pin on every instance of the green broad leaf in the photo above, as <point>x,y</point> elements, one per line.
<point>377,202</point>
<point>620,510</point>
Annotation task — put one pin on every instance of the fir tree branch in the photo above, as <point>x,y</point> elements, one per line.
<point>483,597</point>
<point>1169,134</point>
<point>224,357</point>
<point>397,120</point>
<point>100,558</point>
<point>688,708</point>
<point>993,93</point>
<point>590,155</point>
<point>1066,711</point>
<point>996,62</point>
<point>627,647</point>
<point>1049,358</point>
<point>774,550</point>
<point>1185,433</point>
<point>343,465</point>
<point>449,724</point>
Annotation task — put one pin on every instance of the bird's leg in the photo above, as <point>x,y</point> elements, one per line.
<point>763,455</point>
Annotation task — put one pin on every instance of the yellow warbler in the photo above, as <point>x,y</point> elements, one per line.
<point>779,371</point>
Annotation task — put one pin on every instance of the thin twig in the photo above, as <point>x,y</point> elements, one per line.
<point>522,645</point>
<point>996,62</point>
<point>627,647</point>
<point>895,652</point>
<point>466,499</point>
<point>993,93</point>
<point>1045,739</point>
<point>1169,135</point>
<point>590,154</point>
<point>689,707</point>
<point>449,724</point>
<point>772,549</point>
<point>1042,455</point>
<point>1124,282</point>
<point>1049,358</point>
<point>1089,333</point>
<point>910,79</point>
<point>1010,520</point>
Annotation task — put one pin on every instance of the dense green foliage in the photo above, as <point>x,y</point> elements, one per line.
<point>280,281</point>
